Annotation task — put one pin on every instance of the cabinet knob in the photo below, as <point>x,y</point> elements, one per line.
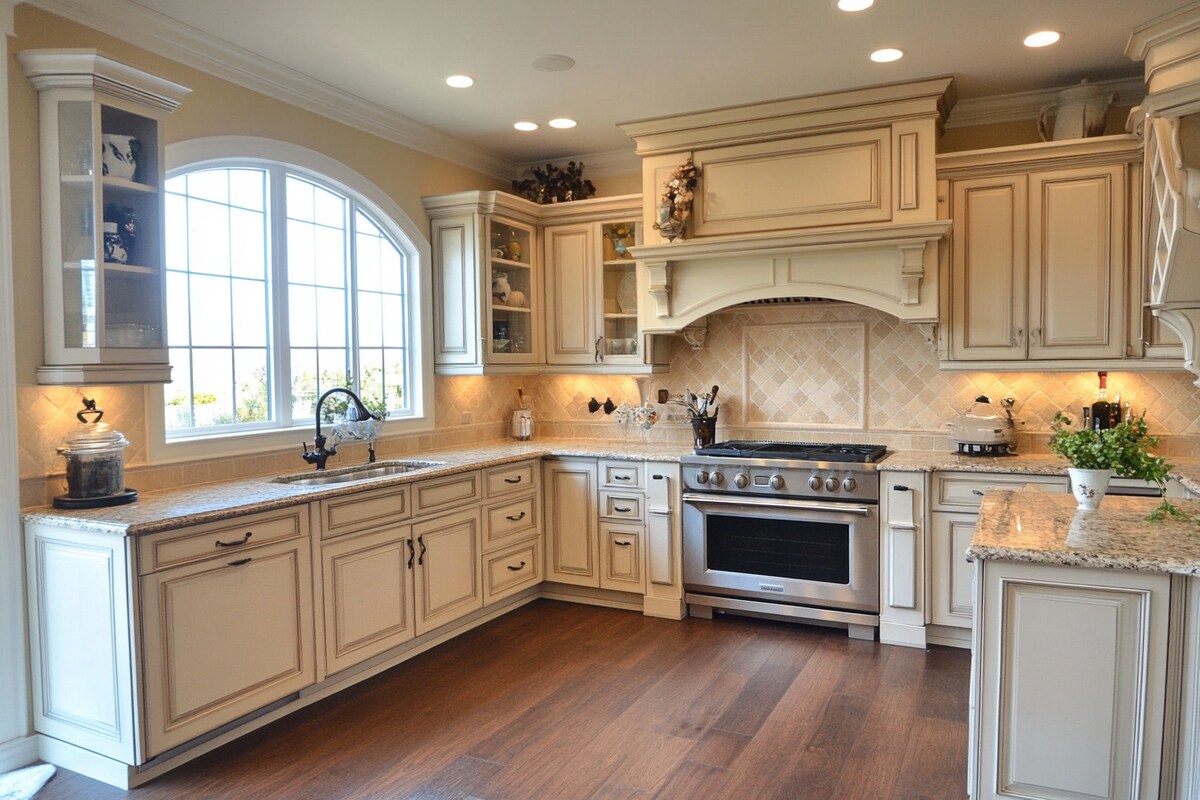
<point>977,492</point>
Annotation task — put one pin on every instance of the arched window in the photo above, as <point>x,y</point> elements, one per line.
<point>285,277</point>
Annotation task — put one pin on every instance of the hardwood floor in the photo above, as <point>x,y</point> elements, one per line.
<point>557,700</point>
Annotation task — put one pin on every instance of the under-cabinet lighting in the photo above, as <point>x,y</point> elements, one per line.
<point>887,54</point>
<point>460,81</point>
<point>1042,38</point>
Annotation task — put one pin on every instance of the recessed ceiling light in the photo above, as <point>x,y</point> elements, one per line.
<point>887,54</point>
<point>562,122</point>
<point>525,126</point>
<point>855,5</point>
<point>460,81</point>
<point>553,63</point>
<point>1042,38</point>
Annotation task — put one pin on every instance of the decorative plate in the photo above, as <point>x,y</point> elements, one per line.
<point>627,294</point>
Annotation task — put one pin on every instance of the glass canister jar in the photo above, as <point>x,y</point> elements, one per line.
<point>95,456</point>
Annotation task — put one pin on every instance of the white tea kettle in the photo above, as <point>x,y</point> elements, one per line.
<point>982,425</point>
<point>1080,112</point>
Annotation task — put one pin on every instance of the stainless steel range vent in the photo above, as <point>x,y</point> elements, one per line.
<point>784,301</point>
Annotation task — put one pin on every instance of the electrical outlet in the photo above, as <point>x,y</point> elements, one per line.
<point>465,418</point>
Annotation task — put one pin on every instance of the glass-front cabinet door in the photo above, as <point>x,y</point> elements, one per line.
<point>102,217</point>
<point>619,304</point>
<point>514,279</point>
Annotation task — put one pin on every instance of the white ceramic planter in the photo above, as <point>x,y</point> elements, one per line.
<point>1089,486</point>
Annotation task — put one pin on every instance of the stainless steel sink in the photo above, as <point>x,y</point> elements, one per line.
<point>364,472</point>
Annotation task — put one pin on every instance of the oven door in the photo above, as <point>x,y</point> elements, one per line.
<point>800,552</point>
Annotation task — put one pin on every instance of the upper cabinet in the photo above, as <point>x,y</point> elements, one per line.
<point>522,287</point>
<point>103,254</point>
<point>1042,251</point>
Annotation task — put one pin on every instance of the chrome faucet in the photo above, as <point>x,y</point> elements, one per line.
<point>357,411</point>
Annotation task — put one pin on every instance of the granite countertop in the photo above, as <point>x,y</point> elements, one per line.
<point>1046,528</point>
<point>192,505</point>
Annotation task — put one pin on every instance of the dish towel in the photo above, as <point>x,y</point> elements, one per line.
<point>22,784</point>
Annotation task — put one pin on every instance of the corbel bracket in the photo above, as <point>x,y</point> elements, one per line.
<point>658,285</point>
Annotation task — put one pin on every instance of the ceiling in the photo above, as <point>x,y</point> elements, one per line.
<point>634,58</point>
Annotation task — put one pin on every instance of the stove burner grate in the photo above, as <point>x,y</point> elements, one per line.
<point>809,451</point>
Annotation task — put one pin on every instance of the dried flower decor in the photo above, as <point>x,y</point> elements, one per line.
<point>675,205</point>
<point>555,184</point>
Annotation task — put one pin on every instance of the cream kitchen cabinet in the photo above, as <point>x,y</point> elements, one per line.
<point>622,556</point>
<point>512,531</point>
<point>572,523</point>
<point>955,500</point>
<point>103,307</point>
<point>903,501</point>
<point>449,583</point>
<point>1069,681</point>
<point>1041,252</point>
<point>140,644</point>
<point>483,241</point>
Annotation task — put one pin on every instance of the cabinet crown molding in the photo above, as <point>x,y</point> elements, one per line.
<point>91,69</point>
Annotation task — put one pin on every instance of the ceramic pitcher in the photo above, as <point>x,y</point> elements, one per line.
<point>1078,112</point>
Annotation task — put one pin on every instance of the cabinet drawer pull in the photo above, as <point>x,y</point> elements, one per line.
<point>412,551</point>
<point>977,492</point>
<point>622,509</point>
<point>421,544</point>
<point>620,543</point>
<point>241,561</point>
<point>238,543</point>
<point>901,489</point>
<point>622,477</point>
<point>517,518</point>
<point>516,569</point>
<point>656,477</point>
<point>513,480</point>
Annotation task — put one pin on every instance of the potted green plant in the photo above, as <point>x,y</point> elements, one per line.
<point>1096,456</point>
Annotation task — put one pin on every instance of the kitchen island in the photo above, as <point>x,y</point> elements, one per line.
<point>1085,664</point>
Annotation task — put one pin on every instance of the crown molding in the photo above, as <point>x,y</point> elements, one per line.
<point>1026,105</point>
<point>186,45</point>
<point>6,16</point>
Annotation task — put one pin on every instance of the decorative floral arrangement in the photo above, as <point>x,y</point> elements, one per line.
<point>555,184</point>
<point>675,205</point>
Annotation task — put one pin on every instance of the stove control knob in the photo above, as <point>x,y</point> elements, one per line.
<point>702,477</point>
<point>815,483</point>
<point>849,484</point>
<point>741,480</point>
<point>716,479</point>
<point>831,484</point>
<point>776,482</point>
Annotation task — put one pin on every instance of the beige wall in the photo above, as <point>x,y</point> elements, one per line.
<point>1020,131</point>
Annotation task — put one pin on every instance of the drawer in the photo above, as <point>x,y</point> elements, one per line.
<point>622,475</point>
<point>509,479</point>
<point>445,494</point>
<point>511,570</point>
<point>158,551</point>
<point>508,522</point>
<point>364,510</point>
<point>964,491</point>
<point>621,505</point>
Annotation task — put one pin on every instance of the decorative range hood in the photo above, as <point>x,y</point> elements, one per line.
<point>1170,116</point>
<point>830,196</point>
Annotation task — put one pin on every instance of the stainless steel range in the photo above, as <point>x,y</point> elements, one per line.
<point>784,530</point>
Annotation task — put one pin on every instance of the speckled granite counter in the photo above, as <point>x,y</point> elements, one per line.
<point>173,508</point>
<point>1046,528</point>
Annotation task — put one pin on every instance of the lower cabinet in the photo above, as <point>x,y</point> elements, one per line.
<point>621,556</point>
<point>448,582</point>
<point>510,570</point>
<point>570,492</point>
<point>368,592</point>
<point>1069,682</point>
<point>955,499</point>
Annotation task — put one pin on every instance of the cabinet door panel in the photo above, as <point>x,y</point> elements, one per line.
<point>223,638</point>
<point>621,552</point>
<point>952,589</point>
<point>571,282</point>
<point>1077,263</point>
<point>368,596</point>
<point>571,522</point>
<point>449,583</point>
<point>989,268</point>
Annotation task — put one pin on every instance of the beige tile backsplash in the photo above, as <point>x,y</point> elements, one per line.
<point>810,372</point>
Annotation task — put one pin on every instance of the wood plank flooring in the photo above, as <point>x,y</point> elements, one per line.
<point>557,701</point>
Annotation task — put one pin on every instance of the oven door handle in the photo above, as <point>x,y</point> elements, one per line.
<point>777,502</point>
